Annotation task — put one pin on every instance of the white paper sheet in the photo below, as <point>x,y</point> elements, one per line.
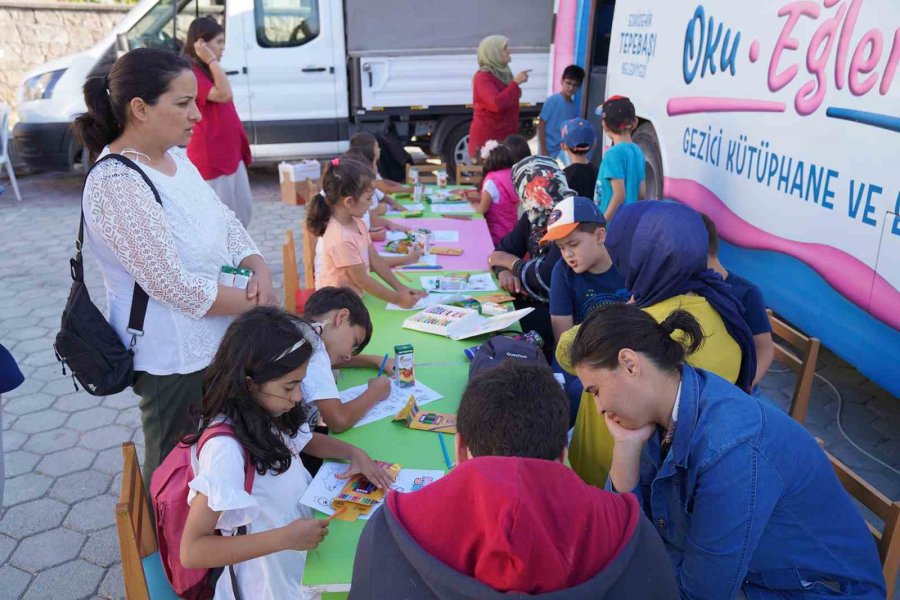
<point>408,207</point>
<point>429,301</point>
<point>391,405</point>
<point>446,209</point>
<point>430,260</point>
<point>325,486</point>
<point>394,236</point>
<point>445,236</point>
<point>478,282</point>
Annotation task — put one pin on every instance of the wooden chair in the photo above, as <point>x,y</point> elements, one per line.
<point>468,174</point>
<point>888,540</point>
<point>427,172</point>
<point>295,297</point>
<point>291,275</point>
<point>142,569</point>
<point>805,367</point>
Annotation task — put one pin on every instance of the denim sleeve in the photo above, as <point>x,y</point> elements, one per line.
<point>733,502</point>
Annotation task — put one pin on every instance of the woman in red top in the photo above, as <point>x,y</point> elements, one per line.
<point>219,147</point>
<point>495,94</point>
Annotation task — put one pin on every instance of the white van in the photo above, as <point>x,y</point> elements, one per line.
<point>307,74</point>
<point>781,121</point>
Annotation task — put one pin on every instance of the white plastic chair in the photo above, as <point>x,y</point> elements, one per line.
<point>4,149</point>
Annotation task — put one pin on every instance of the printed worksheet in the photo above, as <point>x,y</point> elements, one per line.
<point>326,485</point>
<point>394,402</point>
<point>429,301</point>
<point>478,282</point>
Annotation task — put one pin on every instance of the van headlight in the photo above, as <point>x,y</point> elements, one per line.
<point>41,86</point>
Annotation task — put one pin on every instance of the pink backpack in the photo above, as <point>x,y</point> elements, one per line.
<point>168,494</point>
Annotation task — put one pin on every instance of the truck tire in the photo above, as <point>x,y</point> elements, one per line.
<point>456,148</point>
<point>645,137</point>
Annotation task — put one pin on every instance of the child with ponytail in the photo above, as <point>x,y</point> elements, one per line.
<point>744,499</point>
<point>348,253</point>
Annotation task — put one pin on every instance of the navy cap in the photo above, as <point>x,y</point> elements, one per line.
<point>617,111</point>
<point>578,133</point>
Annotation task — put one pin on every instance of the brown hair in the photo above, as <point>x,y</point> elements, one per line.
<point>343,177</point>
<point>203,28</point>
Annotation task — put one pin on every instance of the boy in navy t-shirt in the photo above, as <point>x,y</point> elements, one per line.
<point>754,304</point>
<point>584,278</point>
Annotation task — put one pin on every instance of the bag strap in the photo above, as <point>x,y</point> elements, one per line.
<point>224,429</point>
<point>139,298</point>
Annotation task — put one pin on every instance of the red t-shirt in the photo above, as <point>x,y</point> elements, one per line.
<point>495,110</point>
<point>219,142</point>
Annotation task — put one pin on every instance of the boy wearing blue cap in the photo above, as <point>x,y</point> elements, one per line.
<point>578,140</point>
<point>621,179</point>
<point>557,109</point>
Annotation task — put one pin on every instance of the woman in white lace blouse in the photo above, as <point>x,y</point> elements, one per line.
<point>144,109</point>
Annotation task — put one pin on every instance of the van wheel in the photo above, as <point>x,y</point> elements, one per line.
<point>456,149</point>
<point>645,137</point>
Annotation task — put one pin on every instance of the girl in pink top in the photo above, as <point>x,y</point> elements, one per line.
<point>349,254</point>
<point>497,201</point>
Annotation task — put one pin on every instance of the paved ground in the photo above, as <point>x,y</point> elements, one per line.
<point>57,538</point>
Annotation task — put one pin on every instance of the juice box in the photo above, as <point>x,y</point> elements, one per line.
<point>404,365</point>
<point>242,277</point>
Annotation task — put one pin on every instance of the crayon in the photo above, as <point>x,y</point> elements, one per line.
<point>336,513</point>
<point>444,450</point>
<point>383,362</point>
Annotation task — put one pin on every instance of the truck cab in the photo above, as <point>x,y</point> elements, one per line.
<point>307,74</point>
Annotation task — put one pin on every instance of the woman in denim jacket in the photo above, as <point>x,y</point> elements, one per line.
<point>743,497</point>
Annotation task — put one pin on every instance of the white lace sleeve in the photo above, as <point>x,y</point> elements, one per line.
<point>240,244</point>
<point>126,216</point>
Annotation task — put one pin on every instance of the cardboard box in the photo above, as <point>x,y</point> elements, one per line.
<point>299,181</point>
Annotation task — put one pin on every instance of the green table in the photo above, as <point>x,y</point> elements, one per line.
<point>442,366</point>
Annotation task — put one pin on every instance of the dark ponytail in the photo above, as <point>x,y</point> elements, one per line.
<point>142,73</point>
<point>613,327</point>
<point>343,177</point>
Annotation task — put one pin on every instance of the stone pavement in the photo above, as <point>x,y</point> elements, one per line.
<point>62,446</point>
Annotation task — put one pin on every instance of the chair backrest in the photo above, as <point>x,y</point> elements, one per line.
<point>887,540</point>
<point>291,276</point>
<point>468,174</point>
<point>802,361</point>
<point>309,258</point>
<point>136,536</point>
<point>4,131</point>
<point>427,172</point>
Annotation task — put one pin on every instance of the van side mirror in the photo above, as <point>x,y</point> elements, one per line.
<point>122,46</point>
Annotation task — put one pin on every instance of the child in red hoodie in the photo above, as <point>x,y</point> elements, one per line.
<point>511,518</point>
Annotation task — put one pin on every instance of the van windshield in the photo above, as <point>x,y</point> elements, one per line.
<point>165,25</point>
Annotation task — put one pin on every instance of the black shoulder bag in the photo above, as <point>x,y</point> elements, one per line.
<point>86,342</point>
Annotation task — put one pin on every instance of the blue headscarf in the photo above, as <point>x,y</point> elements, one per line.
<point>660,248</point>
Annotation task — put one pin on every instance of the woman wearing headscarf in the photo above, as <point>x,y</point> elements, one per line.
<point>540,185</point>
<point>495,94</point>
<point>660,249</point>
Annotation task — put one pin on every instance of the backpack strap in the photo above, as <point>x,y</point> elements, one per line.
<point>224,429</point>
<point>139,298</point>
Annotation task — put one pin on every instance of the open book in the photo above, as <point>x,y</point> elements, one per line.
<point>459,323</point>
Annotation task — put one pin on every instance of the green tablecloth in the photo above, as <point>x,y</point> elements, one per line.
<point>442,366</point>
